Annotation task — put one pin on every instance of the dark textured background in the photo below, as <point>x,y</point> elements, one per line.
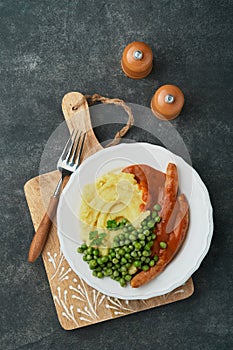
<point>48,48</point>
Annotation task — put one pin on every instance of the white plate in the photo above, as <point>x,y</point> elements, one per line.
<point>199,234</point>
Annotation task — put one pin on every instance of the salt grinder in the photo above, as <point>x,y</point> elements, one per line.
<point>137,60</point>
<point>167,102</point>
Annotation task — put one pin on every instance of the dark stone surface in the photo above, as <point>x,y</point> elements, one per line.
<point>48,48</point>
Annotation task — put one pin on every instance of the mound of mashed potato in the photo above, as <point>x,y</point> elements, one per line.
<point>113,196</point>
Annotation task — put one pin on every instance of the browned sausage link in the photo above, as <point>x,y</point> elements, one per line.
<point>169,202</point>
<point>170,192</point>
<point>175,241</point>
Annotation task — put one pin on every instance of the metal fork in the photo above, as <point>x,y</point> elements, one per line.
<point>67,164</point>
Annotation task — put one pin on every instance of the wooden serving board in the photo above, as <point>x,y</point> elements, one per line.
<point>77,303</point>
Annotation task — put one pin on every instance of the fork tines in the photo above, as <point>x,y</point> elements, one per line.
<point>73,148</point>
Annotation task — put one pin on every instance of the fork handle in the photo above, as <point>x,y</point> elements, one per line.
<point>42,232</point>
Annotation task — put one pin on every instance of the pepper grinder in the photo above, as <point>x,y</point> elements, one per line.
<point>137,60</point>
<point>167,102</point>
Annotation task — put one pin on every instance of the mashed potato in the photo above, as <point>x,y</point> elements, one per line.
<point>113,196</point>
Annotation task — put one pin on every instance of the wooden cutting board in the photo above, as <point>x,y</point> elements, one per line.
<point>77,303</point>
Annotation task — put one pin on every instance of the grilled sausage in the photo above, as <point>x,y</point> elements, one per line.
<point>170,193</point>
<point>175,240</point>
<point>168,206</point>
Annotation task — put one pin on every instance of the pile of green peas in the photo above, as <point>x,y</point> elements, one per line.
<point>131,251</point>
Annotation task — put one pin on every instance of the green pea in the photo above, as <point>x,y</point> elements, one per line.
<point>100,275</point>
<point>118,256</point>
<point>147,260</point>
<point>115,261</point>
<point>151,263</point>
<point>127,241</point>
<point>96,252</point>
<point>94,273</point>
<point>125,229</point>
<point>98,269</point>
<point>145,267</point>
<point>89,257</point>
<point>163,245</point>
<point>146,232</point>
<point>109,264</point>
<point>80,250</point>
<point>149,238</point>
<point>137,245</point>
<point>84,258</point>
<point>157,207</point>
<point>92,264</point>
<point>121,237</point>
<point>115,244</point>
<point>123,273</point>
<point>140,230</point>
<point>154,214</point>
<point>153,236</point>
<point>150,224</point>
<point>137,263</point>
<point>122,243</point>
<point>132,237</point>
<point>141,236</point>
<point>113,254</point>
<point>134,254</point>
<point>135,232</point>
<point>128,264</point>
<point>143,258</point>
<point>99,261</point>
<point>121,251</point>
<point>117,266</point>
<point>157,219</point>
<point>128,277</point>
<point>109,272</point>
<point>130,228</point>
<point>127,256</point>
<point>90,250</point>
<point>142,243</point>
<point>131,247</point>
<point>123,268</point>
<point>148,245</point>
<point>117,278</point>
<point>128,224</point>
<point>84,246</point>
<point>146,253</point>
<point>122,282</point>
<point>104,259</point>
<point>123,261</point>
<point>156,258</point>
<point>139,253</point>
<point>116,274</point>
